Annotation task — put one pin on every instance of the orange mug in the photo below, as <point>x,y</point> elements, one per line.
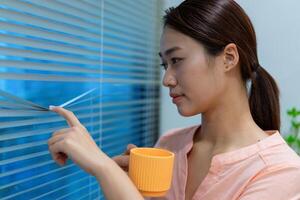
<point>151,170</point>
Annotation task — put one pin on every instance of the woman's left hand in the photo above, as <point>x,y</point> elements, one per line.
<point>75,143</point>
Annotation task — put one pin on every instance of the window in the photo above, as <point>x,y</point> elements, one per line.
<point>55,50</point>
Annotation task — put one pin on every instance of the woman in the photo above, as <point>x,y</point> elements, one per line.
<point>209,52</point>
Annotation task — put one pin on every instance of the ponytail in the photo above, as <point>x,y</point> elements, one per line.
<point>264,100</point>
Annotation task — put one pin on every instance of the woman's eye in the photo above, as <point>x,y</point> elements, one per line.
<point>175,60</point>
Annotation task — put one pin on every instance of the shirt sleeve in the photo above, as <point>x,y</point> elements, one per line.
<point>277,184</point>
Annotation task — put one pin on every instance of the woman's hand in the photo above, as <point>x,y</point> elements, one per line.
<point>75,143</point>
<point>123,159</point>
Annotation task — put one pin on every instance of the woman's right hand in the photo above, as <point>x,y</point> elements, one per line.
<point>123,159</point>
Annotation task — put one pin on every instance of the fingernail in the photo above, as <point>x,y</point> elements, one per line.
<point>51,107</point>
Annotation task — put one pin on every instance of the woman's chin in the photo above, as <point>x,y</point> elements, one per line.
<point>185,112</point>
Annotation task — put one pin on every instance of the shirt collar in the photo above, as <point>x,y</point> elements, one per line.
<point>238,154</point>
<point>247,151</point>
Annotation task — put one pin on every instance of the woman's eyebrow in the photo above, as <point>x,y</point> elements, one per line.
<point>169,51</point>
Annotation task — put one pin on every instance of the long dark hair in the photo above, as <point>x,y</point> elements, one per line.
<point>215,24</point>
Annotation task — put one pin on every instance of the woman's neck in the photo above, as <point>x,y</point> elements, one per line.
<point>229,126</point>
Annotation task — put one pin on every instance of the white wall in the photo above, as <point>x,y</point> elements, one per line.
<point>277,25</point>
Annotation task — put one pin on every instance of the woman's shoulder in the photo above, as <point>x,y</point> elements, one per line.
<point>281,181</point>
<point>280,155</point>
<point>177,138</point>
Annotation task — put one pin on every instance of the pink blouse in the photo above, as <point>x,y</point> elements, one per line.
<point>266,170</point>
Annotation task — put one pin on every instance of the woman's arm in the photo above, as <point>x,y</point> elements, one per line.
<point>76,143</point>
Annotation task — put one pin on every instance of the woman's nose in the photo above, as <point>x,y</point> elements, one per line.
<point>169,79</point>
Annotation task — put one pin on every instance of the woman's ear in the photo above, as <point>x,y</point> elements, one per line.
<point>230,56</point>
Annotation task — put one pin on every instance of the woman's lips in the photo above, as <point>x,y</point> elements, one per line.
<point>177,99</point>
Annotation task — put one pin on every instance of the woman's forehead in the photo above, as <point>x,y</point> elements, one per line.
<point>170,35</point>
<point>172,39</point>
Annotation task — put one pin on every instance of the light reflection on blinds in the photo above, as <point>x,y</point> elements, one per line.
<point>54,50</point>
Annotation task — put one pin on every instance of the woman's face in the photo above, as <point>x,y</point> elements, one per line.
<point>195,80</point>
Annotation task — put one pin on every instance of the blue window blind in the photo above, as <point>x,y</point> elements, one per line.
<point>50,52</point>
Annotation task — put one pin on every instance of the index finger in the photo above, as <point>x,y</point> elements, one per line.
<point>68,115</point>
<point>129,147</point>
